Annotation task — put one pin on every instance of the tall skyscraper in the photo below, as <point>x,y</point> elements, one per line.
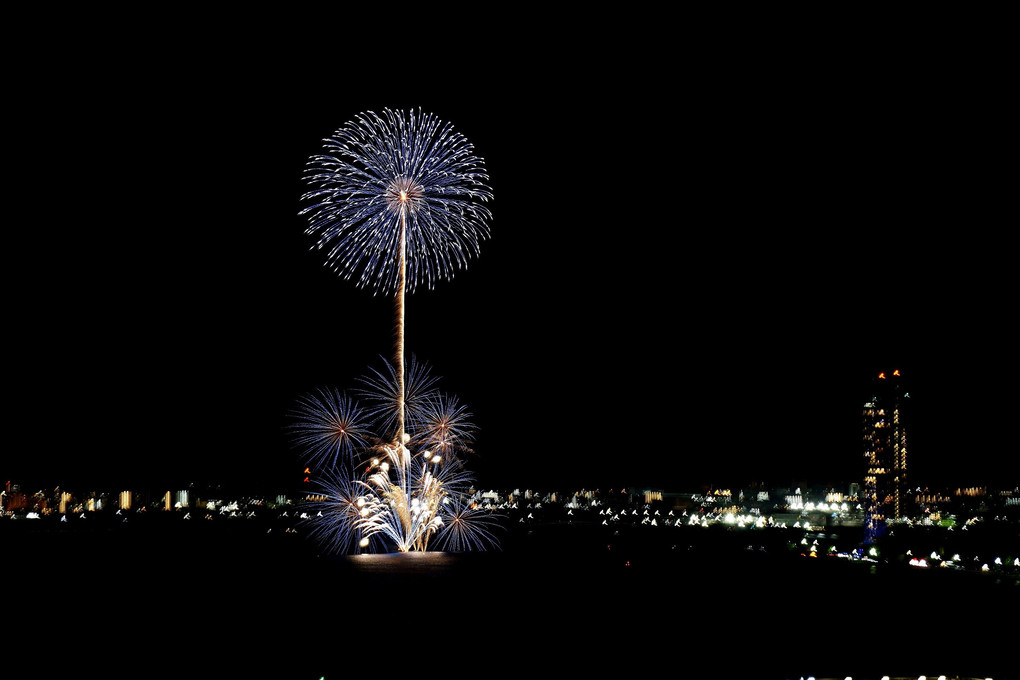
<point>885,454</point>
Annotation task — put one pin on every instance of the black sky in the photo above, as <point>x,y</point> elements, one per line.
<point>697,265</point>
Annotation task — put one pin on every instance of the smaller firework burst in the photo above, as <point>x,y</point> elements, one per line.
<point>445,427</point>
<point>467,526</point>
<point>406,490</point>
<point>383,396</point>
<point>334,511</point>
<point>329,427</point>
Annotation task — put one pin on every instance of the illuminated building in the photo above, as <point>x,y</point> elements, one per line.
<point>651,496</point>
<point>885,455</point>
<point>17,500</point>
<point>125,500</point>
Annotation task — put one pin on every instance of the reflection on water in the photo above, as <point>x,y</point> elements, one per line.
<point>402,563</point>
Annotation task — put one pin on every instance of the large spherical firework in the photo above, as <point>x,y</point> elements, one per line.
<point>381,178</point>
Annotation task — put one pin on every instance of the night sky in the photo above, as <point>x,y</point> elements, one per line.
<point>697,266</point>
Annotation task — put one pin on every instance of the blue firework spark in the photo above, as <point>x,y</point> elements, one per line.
<point>377,169</point>
<point>467,526</point>
<point>328,427</point>
<point>334,512</point>
<point>445,426</point>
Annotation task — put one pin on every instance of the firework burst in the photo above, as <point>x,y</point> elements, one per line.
<point>387,398</point>
<point>378,491</point>
<point>335,510</point>
<point>467,526</point>
<point>329,427</point>
<point>445,427</point>
<point>392,182</point>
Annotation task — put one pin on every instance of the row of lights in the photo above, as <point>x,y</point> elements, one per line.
<point>886,677</point>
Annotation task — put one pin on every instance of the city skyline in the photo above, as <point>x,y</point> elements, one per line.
<point>668,297</point>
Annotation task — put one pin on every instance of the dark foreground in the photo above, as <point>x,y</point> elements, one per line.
<point>240,601</point>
